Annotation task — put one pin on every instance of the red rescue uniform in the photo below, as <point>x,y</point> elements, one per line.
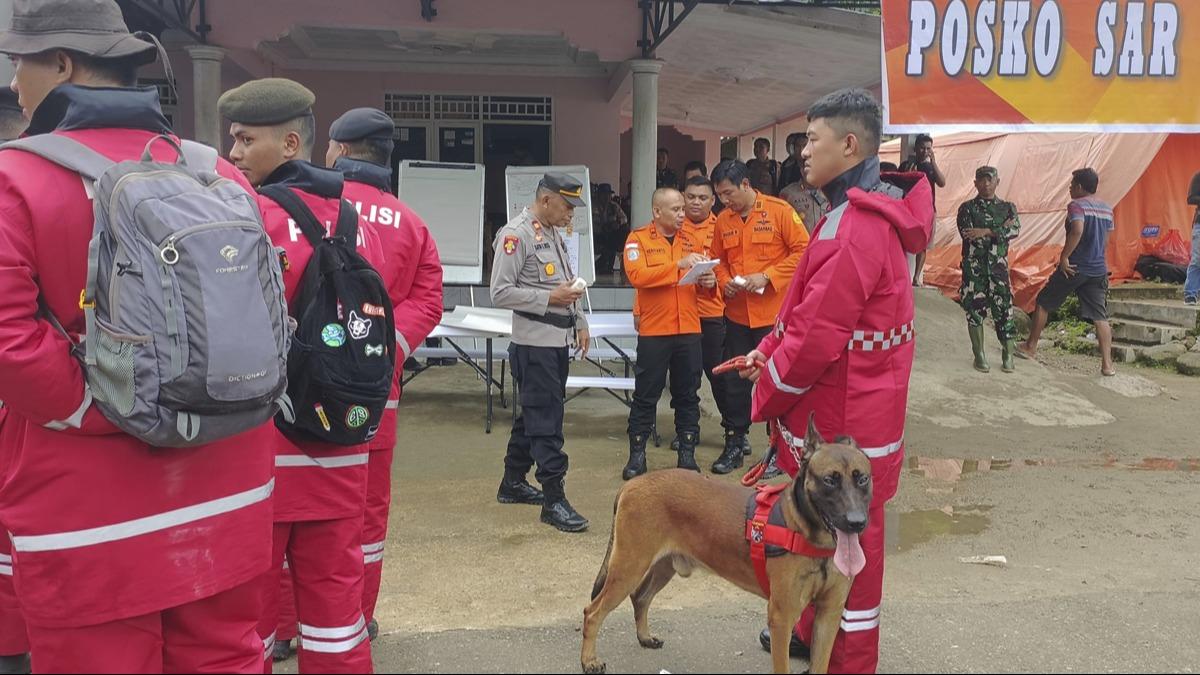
<point>321,487</point>
<point>129,558</point>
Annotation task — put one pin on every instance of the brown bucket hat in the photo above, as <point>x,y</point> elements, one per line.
<point>91,27</point>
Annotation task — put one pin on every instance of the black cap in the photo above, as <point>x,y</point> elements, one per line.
<point>360,124</point>
<point>568,188</point>
<point>604,189</point>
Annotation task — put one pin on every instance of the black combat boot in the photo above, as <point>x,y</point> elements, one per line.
<point>636,465</point>
<point>796,648</point>
<point>557,511</point>
<point>516,490</point>
<point>687,451</point>
<point>732,457</point>
<point>771,470</point>
<point>675,442</point>
<point>17,663</point>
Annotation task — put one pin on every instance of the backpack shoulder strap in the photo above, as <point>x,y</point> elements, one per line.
<point>65,152</point>
<point>347,225</point>
<point>199,156</point>
<point>299,211</point>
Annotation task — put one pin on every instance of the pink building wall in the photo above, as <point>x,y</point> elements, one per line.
<point>610,28</point>
<point>681,147</point>
<point>586,125</point>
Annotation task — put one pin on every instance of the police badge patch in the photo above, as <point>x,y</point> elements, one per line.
<point>510,245</point>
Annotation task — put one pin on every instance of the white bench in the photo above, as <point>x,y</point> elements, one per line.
<point>471,356</point>
<point>610,354</point>
<point>475,353</point>
<point>610,384</point>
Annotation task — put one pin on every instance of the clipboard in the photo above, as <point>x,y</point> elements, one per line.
<point>699,269</point>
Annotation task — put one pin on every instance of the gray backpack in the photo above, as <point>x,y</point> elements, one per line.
<point>187,332</point>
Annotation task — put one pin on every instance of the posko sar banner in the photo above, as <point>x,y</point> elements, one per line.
<point>1041,65</point>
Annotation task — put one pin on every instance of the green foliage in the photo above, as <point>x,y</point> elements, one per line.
<point>1066,320</point>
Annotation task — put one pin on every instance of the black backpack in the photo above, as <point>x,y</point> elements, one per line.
<point>343,353</point>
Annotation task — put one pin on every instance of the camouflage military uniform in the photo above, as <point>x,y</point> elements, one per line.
<point>986,286</point>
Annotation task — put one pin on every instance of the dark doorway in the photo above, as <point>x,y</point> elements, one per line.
<point>412,142</point>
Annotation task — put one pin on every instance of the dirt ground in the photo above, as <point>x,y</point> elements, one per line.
<point>1090,489</point>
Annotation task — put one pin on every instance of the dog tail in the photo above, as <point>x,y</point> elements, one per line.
<point>603,574</point>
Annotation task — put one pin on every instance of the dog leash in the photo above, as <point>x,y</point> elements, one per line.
<point>737,363</point>
<point>755,474</point>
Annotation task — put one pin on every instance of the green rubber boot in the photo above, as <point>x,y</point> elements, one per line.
<point>981,363</point>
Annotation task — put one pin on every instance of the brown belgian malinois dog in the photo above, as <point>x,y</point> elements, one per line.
<point>672,521</point>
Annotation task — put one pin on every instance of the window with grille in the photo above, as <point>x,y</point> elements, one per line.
<point>166,95</point>
<point>408,106</point>
<point>455,107</point>
<point>168,101</point>
<point>517,108</point>
<point>468,107</point>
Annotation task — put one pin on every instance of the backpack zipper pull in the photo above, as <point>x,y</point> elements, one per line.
<point>168,253</point>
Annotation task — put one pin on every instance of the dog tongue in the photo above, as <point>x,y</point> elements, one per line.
<point>849,558</point>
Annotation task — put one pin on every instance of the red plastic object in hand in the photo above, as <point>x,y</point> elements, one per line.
<point>736,363</point>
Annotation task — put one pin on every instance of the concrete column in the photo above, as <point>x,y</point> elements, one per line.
<point>6,67</point>
<point>206,75</point>
<point>645,137</point>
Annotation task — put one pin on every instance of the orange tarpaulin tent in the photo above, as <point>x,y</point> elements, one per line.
<point>1145,176</point>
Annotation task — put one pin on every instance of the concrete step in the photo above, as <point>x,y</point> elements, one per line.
<point>1146,290</point>
<point>1122,352</point>
<point>1170,312</point>
<point>1146,332</point>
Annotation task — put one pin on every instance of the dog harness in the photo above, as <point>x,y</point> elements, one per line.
<point>769,536</point>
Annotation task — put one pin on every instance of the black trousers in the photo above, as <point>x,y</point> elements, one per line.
<point>739,341</point>
<point>681,356</point>
<point>712,346</point>
<point>537,432</point>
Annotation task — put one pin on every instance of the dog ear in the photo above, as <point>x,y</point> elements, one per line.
<point>812,439</point>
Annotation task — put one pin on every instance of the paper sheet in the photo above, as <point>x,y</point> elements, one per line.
<point>699,269</point>
<point>739,280</point>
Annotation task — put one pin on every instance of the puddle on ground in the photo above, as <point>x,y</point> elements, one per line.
<point>911,529</point>
<point>908,530</point>
<point>953,470</point>
<point>517,540</point>
<point>1186,464</point>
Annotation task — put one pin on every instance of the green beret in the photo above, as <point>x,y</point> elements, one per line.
<point>271,100</point>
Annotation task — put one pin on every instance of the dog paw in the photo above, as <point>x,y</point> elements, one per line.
<point>594,666</point>
<point>651,642</point>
